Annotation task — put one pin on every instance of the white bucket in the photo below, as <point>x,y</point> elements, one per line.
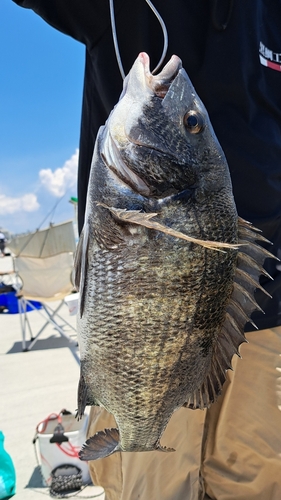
<point>72,303</point>
<point>52,455</point>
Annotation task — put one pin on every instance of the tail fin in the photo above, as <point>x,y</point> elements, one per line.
<point>100,445</point>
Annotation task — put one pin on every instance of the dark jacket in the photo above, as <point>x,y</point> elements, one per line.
<point>231,50</point>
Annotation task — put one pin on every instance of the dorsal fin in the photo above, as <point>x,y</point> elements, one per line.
<point>250,281</point>
<point>240,306</point>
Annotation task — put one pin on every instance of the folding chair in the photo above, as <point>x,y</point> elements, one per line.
<point>44,264</point>
<point>8,280</point>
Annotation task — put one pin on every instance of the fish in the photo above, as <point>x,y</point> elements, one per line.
<point>165,268</point>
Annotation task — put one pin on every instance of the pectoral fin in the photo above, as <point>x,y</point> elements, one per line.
<point>145,219</point>
<point>101,445</point>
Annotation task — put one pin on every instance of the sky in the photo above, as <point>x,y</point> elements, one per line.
<point>41,80</point>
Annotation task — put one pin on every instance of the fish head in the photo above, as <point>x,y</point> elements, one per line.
<point>158,139</point>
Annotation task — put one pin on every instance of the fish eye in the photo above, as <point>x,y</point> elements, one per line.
<point>193,121</point>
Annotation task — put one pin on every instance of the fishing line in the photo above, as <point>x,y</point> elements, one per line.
<point>115,40</point>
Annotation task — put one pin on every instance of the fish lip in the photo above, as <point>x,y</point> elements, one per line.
<point>161,82</point>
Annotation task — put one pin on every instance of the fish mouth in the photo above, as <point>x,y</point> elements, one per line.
<point>159,86</point>
<point>160,83</point>
<point>113,160</point>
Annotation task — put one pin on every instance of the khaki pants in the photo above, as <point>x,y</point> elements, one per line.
<point>230,452</point>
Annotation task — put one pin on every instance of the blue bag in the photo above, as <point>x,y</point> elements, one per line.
<point>7,472</point>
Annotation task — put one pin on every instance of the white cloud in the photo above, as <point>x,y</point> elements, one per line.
<point>60,180</point>
<point>26,203</point>
<point>56,182</point>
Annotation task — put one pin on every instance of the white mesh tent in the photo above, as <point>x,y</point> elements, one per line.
<point>57,238</point>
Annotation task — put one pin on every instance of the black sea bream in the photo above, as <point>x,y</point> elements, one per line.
<point>166,282</point>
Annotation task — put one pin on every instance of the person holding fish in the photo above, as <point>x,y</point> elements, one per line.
<point>167,265</point>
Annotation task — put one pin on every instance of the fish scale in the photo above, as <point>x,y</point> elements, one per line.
<point>165,268</point>
<point>142,328</point>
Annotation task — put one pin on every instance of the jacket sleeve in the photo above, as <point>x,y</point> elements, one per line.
<point>84,20</point>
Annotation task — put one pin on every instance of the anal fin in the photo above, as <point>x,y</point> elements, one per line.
<point>101,445</point>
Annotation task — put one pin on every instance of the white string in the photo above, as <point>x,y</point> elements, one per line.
<point>115,40</point>
<point>165,34</point>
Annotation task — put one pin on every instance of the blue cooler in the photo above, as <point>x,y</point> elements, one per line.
<point>10,302</point>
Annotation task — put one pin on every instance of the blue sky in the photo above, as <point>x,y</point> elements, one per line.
<point>40,105</point>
